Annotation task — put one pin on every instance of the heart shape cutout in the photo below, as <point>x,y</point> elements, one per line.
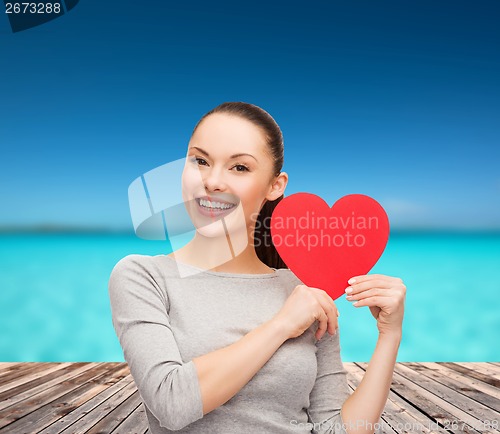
<point>324,247</point>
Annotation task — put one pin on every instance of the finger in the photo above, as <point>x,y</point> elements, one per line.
<point>328,306</point>
<point>330,309</point>
<point>368,277</point>
<point>323,322</point>
<point>382,292</point>
<point>368,293</point>
<point>328,299</point>
<point>369,284</point>
<point>365,278</point>
<point>379,301</point>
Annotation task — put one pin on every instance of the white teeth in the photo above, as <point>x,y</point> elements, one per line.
<point>218,205</point>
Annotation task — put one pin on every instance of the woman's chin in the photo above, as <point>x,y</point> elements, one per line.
<point>221,228</point>
<point>212,230</point>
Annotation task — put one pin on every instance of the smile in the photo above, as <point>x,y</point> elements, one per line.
<point>214,205</point>
<point>213,208</point>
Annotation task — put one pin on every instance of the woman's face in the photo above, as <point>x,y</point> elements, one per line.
<point>228,175</point>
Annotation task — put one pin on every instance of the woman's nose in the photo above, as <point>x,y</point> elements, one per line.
<point>214,181</point>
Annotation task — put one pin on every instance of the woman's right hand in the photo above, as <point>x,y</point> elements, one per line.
<point>304,306</point>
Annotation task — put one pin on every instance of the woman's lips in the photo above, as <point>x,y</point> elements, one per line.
<point>212,212</point>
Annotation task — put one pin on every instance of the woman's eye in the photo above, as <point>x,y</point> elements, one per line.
<point>198,160</point>
<point>242,167</point>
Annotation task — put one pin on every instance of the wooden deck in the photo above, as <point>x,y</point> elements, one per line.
<point>102,398</point>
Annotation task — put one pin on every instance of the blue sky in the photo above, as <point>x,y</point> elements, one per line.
<point>397,100</point>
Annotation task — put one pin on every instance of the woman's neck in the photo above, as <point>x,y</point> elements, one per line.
<point>216,254</point>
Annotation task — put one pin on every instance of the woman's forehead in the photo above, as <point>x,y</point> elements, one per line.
<point>228,134</point>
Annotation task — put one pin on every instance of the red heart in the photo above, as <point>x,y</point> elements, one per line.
<point>325,247</point>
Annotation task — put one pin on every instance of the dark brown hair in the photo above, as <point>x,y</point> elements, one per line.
<point>264,247</point>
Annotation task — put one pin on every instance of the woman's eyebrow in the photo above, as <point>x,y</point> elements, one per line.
<point>232,156</point>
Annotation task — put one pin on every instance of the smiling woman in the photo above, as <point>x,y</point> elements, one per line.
<point>233,177</point>
<point>238,345</point>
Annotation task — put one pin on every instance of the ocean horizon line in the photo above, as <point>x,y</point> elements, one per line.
<point>81,229</point>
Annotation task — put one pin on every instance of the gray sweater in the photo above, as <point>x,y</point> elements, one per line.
<point>166,313</point>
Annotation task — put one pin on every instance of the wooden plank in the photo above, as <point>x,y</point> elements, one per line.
<point>484,368</point>
<point>24,391</point>
<point>400,416</point>
<point>5,366</point>
<point>69,419</point>
<point>56,409</point>
<point>115,417</point>
<point>24,369</point>
<point>64,404</point>
<point>466,370</point>
<point>72,398</point>
<point>17,411</point>
<point>439,376</point>
<point>14,367</point>
<point>438,411</point>
<point>463,379</point>
<point>137,422</point>
<point>33,376</point>
<point>449,401</point>
<point>84,424</point>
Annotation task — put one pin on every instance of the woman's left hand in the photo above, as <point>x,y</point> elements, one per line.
<point>385,295</point>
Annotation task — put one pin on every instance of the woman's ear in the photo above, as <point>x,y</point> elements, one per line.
<point>278,186</point>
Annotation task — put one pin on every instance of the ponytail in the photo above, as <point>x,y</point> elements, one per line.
<point>264,247</point>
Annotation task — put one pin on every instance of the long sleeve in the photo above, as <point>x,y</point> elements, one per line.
<point>168,386</point>
<point>330,390</point>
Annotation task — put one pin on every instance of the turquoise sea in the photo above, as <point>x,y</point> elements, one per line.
<point>54,303</point>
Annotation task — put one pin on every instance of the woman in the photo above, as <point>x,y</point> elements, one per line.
<point>234,347</point>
